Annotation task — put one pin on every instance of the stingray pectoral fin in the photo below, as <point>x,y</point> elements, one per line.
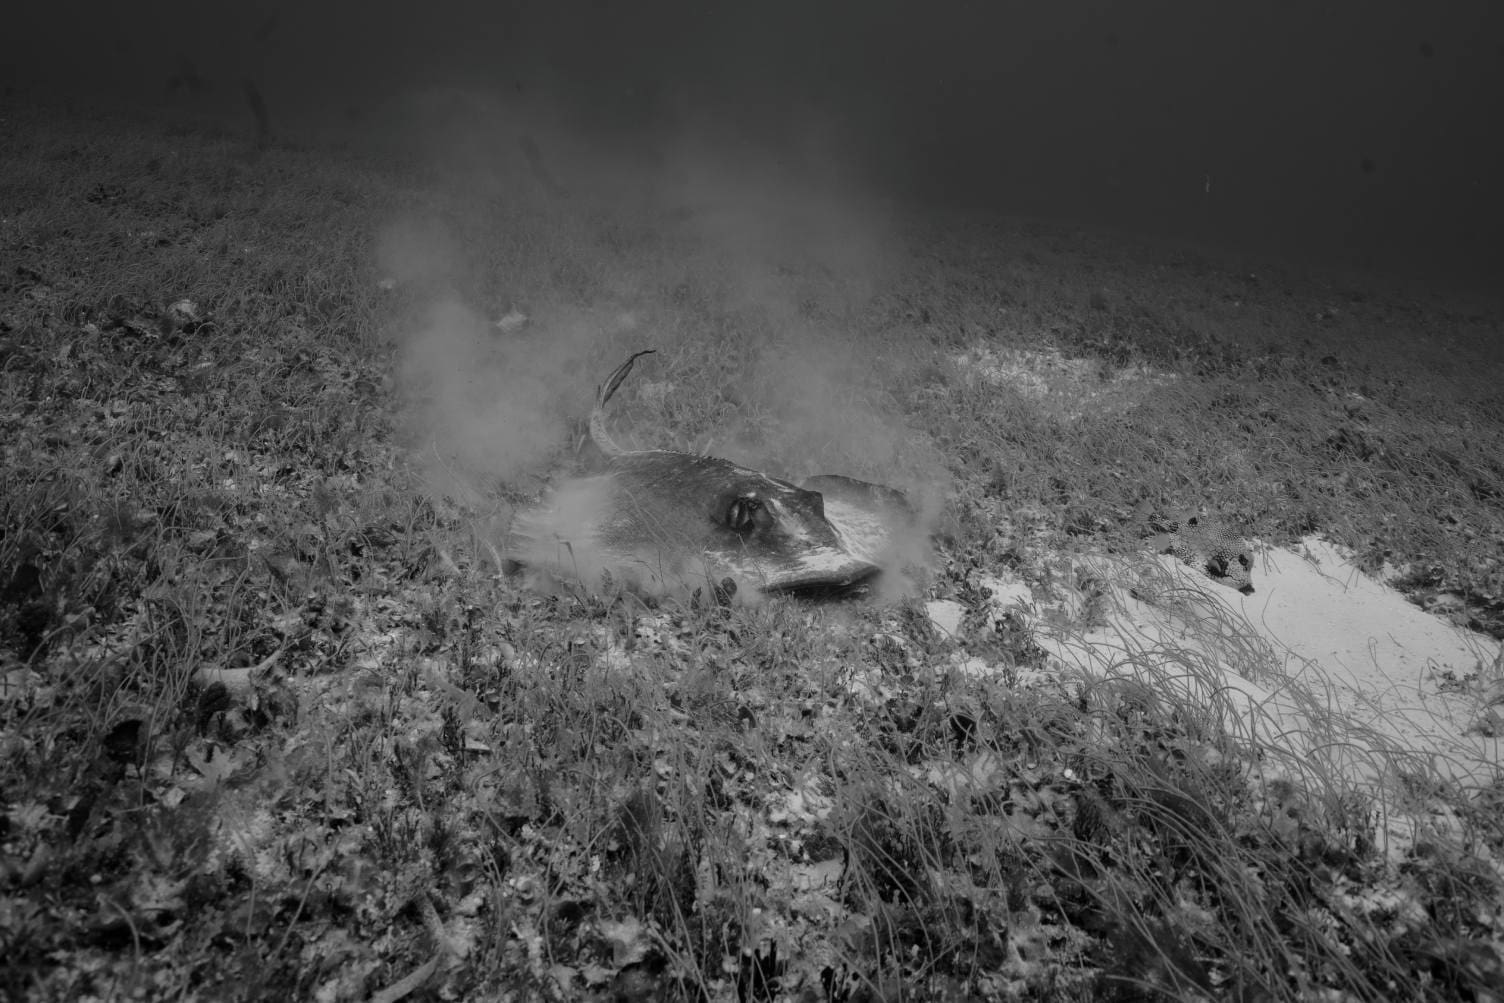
<point>821,570</point>
<point>874,522</point>
<point>890,504</point>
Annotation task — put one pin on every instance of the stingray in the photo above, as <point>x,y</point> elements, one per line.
<point>665,521</point>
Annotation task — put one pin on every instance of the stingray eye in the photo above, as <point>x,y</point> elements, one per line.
<point>749,514</point>
<point>743,515</point>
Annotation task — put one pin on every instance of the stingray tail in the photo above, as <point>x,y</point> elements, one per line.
<point>598,433</point>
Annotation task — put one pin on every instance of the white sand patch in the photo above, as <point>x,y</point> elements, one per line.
<point>1334,674</point>
<point>946,614</point>
<point>1070,387</point>
<point>1384,659</point>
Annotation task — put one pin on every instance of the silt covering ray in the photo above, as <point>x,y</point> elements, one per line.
<point>663,522</point>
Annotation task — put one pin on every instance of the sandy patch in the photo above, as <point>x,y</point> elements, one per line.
<point>1070,387</point>
<point>1335,674</point>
